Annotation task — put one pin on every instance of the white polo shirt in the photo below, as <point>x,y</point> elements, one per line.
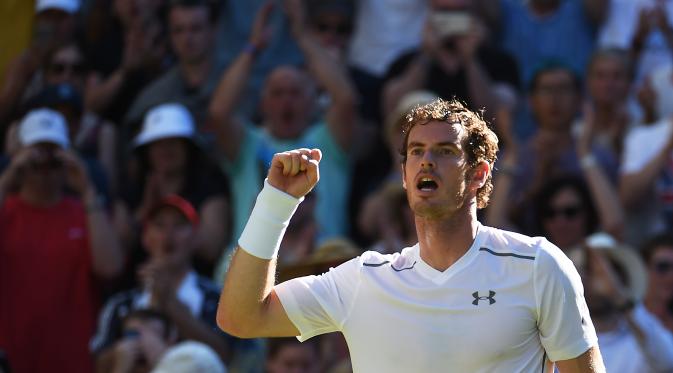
<point>507,305</point>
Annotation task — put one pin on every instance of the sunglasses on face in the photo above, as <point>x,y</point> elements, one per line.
<point>59,68</point>
<point>568,212</point>
<point>662,267</point>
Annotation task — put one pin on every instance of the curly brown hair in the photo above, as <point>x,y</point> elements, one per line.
<point>480,144</point>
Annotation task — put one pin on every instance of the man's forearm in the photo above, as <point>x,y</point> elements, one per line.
<point>106,251</point>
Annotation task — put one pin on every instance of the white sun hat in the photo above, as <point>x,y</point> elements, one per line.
<point>68,6</point>
<point>166,121</point>
<point>43,125</point>
<point>190,357</point>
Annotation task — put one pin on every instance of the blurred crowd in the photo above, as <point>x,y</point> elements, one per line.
<point>136,134</point>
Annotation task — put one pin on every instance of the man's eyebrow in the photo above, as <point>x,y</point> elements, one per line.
<point>415,144</point>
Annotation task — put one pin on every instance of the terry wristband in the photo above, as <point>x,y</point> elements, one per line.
<point>267,223</point>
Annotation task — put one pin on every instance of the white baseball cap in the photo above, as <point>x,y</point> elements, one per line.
<point>190,357</point>
<point>68,6</point>
<point>166,121</point>
<point>43,125</point>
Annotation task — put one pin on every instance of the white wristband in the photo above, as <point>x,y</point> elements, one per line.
<point>267,223</point>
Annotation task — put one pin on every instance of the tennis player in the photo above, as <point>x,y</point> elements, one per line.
<point>466,298</point>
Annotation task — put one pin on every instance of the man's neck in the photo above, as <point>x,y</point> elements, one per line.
<point>442,242</point>
<point>40,195</point>
<point>195,74</point>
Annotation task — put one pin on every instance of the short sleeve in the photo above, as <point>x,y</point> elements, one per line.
<point>321,304</point>
<point>566,329</point>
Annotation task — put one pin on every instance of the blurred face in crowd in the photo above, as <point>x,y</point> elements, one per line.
<point>168,155</point>
<point>150,336</point>
<point>168,235</point>
<point>53,27</point>
<point>294,358</point>
<point>660,271</point>
<point>129,11</point>
<point>555,100</point>
<point>67,66</point>
<point>608,80</point>
<point>435,170</point>
<point>449,4</point>
<point>286,102</point>
<point>564,219</point>
<point>45,168</point>
<point>333,31</point>
<point>191,34</point>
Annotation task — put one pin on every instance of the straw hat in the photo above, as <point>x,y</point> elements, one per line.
<point>330,254</point>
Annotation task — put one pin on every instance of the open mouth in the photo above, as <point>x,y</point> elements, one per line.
<point>426,184</point>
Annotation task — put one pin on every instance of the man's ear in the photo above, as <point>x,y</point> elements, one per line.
<point>480,174</point>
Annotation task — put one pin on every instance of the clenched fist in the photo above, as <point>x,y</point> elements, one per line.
<point>296,171</point>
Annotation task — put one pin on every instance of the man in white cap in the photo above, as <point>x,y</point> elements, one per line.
<point>52,247</point>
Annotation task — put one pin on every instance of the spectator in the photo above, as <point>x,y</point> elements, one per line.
<point>646,180</point>
<point>170,161</point>
<point>126,48</point>
<point>54,24</point>
<point>53,247</point>
<point>537,30</point>
<point>609,76</point>
<point>191,25</point>
<point>168,283</point>
<point>285,355</point>
<point>629,337</point>
<point>658,255</point>
<point>387,217</point>
<point>455,60</point>
<point>643,27</point>
<point>331,23</point>
<point>286,107</point>
<point>146,336</point>
<point>552,152</point>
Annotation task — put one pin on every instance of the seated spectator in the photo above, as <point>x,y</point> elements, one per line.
<point>630,338</point>
<point>169,284</point>
<point>455,60</point>
<point>286,108</point>
<point>191,28</point>
<point>538,30</point>
<point>54,25</point>
<point>146,336</point>
<point>658,255</point>
<point>53,248</point>
<point>126,47</point>
<point>170,161</point>
<point>288,355</point>
<point>553,150</point>
<point>608,83</point>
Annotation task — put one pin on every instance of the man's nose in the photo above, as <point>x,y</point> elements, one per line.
<point>428,160</point>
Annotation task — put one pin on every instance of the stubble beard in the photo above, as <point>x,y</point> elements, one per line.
<point>441,210</point>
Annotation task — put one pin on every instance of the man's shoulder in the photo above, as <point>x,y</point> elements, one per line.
<point>158,91</point>
<point>502,242</point>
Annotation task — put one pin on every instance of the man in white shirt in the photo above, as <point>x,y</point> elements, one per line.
<point>466,298</point>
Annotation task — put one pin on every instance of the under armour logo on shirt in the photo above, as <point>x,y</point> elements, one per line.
<point>477,298</point>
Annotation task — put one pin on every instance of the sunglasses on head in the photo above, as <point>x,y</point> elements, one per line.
<point>60,68</point>
<point>568,212</point>
<point>662,267</point>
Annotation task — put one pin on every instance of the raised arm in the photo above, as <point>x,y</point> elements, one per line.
<point>106,251</point>
<point>636,186</point>
<point>248,306</point>
<point>330,75</point>
<point>229,90</point>
<point>603,192</point>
